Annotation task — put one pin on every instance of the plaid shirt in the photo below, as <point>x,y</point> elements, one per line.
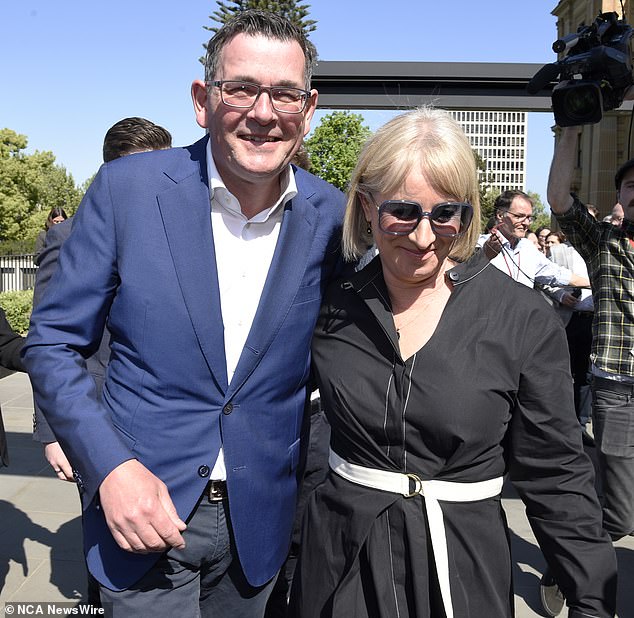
<point>609,255</point>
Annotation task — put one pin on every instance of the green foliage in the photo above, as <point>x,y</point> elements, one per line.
<point>18,307</point>
<point>294,12</point>
<point>335,145</point>
<point>487,192</point>
<point>16,247</point>
<point>487,199</point>
<point>30,185</point>
<point>540,216</point>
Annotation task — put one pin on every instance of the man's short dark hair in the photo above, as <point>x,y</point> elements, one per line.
<point>259,23</point>
<point>504,200</point>
<point>620,174</point>
<point>134,135</point>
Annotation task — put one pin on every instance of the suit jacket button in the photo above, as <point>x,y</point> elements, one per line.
<point>228,409</point>
<point>204,471</point>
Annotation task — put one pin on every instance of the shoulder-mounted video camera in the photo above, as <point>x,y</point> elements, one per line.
<point>594,73</point>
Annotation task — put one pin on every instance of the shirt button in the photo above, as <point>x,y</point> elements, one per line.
<point>228,409</point>
<point>454,276</point>
<point>204,471</point>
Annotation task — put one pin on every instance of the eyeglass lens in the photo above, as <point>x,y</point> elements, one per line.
<point>245,94</point>
<point>399,217</point>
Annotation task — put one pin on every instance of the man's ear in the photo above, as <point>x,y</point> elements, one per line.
<point>200,99</point>
<point>311,106</point>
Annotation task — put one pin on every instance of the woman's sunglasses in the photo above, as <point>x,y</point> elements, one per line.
<point>402,217</point>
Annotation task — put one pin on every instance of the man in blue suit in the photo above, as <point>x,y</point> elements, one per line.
<point>208,264</point>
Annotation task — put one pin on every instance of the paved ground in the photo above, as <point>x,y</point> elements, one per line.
<point>40,551</point>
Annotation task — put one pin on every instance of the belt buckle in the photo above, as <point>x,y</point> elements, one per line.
<point>418,485</point>
<point>217,491</point>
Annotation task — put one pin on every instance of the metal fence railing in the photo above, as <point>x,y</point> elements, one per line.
<point>17,272</point>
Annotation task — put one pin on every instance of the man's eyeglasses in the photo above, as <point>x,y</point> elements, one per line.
<point>402,217</point>
<point>520,218</point>
<point>245,95</point>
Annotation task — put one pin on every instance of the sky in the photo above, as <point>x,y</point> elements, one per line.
<point>72,68</point>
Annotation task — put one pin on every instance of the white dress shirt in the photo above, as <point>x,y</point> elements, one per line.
<point>243,250</point>
<point>526,264</point>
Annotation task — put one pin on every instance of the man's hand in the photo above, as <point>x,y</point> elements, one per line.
<point>493,244</point>
<point>60,464</point>
<point>139,510</point>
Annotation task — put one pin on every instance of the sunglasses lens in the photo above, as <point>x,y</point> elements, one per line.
<point>398,217</point>
<point>451,218</point>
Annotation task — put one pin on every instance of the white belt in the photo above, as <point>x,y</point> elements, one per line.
<point>433,491</point>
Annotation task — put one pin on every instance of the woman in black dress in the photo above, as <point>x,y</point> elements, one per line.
<point>440,375</point>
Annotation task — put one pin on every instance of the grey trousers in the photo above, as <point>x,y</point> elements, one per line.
<point>613,425</point>
<point>203,580</point>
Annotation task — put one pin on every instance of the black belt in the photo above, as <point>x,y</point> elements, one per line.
<point>216,491</point>
<point>614,386</point>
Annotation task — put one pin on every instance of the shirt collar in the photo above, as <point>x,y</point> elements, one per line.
<point>289,189</point>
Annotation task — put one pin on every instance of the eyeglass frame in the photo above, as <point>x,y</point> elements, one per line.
<point>425,213</point>
<point>218,83</point>
<point>520,218</point>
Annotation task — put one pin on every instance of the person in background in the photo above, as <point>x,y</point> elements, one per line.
<point>436,384</point>
<point>542,234</point>
<point>55,216</point>
<point>509,250</point>
<point>617,215</point>
<point>532,237</point>
<point>11,344</point>
<point>575,307</point>
<point>609,255</point>
<point>208,263</point>
<point>554,238</point>
<point>125,137</point>
<point>133,135</point>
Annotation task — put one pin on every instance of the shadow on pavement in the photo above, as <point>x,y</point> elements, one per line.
<point>17,527</point>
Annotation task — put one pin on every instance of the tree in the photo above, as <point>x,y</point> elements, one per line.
<point>295,13</point>
<point>487,193</point>
<point>541,218</point>
<point>30,185</point>
<point>334,147</point>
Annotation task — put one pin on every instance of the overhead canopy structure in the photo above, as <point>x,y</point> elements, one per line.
<point>450,85</point>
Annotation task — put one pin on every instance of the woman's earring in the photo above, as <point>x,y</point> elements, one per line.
<point>369,228</point>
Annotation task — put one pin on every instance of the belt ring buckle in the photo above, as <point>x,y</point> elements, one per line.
<point>418,485</point>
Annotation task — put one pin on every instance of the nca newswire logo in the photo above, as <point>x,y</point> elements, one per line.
<point>51,609</point>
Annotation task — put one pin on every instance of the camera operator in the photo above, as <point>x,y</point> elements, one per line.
<point>609,254</point>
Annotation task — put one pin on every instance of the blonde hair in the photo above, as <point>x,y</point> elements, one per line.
<point>427,140</point>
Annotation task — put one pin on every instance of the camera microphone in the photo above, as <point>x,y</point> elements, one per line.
<point>566,43</point>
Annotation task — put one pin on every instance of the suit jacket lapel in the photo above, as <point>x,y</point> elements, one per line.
<point>284,279</point>
<point>186,214</point>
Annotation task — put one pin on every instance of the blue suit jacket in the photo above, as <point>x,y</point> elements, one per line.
<point>96,364</point>
<point>141,259</point>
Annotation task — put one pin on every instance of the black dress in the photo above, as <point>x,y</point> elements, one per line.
<point>489,393</point>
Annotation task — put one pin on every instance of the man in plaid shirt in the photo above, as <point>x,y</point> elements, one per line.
<point>609,254</point>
